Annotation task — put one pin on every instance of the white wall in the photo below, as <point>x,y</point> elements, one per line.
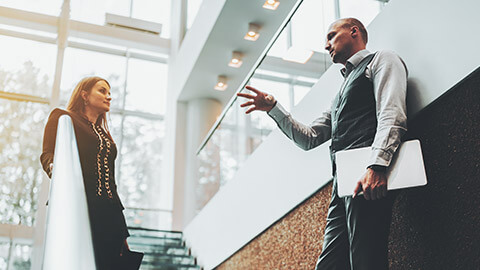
<point>438,41</point>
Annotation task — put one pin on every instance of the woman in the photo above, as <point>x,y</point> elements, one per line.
<point>88,105</point>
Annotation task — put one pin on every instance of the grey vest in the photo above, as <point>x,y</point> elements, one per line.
<point>354,119</point>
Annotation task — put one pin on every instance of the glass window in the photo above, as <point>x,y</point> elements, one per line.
<point>310,24</point>
<point>146,86</point>
<point>299,92</point>
<point>208,171</point>
<point>81,63</point>
<point>277,89</point>
<point>26,66</point>
<point>21,174</point>
<point>94,11</point>
<point>4,250</point>
<point>280,47</point>
<point>20,256</point>
<point>364,10</point>
<point>146,218</point>
<point>49,7</point>
<point>140,167</point>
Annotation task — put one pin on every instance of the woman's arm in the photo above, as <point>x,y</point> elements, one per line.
<point>49,137</point>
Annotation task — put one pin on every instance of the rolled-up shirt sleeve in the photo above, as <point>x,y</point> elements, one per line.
<point>305,136</point>
<point>389,76</point>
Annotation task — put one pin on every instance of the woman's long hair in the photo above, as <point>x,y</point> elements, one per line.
<point>77,104</point>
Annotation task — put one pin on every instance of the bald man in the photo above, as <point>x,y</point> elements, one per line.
<point>369,110</point>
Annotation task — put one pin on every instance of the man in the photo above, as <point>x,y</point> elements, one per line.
<point>369,110</point>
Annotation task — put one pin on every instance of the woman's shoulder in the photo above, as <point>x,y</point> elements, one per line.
<point>57,112</point>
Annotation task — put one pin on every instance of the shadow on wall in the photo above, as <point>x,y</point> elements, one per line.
<point>436,227</point>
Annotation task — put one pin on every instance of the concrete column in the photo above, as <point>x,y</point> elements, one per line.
<point>175,114</point>
<point>201,115</point>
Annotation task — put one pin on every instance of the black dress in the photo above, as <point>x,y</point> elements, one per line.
<point>97,153</point>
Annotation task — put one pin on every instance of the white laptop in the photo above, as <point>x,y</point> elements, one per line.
<point>406,169</point>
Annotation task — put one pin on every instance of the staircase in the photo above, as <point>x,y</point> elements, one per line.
<point>164,250</point>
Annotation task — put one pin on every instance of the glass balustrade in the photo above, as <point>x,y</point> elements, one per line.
<point>237,135</point>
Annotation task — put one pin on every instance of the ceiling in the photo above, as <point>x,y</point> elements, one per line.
<point>225,36</point>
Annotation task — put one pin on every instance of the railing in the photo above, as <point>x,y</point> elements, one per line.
<point>68,242</point>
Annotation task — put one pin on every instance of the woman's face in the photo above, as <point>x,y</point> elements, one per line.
<point>99,98</point>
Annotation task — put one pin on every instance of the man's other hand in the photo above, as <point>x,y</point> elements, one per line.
<point>259,102</point>
<point>373,184</point>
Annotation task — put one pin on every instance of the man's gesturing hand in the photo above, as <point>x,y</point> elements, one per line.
<point>373,184</point>
<point>261,101</point>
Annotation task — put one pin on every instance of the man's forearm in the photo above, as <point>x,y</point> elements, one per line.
<point>305,136</point>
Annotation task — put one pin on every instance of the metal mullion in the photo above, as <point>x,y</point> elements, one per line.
<point>28,36</point>
<point>62,40</point>
<point>122,115</point>
<point>10,251</point>
<point>117,52</point>
<point>291,93</point>
<point>337,9</point>
<point>23,97</point>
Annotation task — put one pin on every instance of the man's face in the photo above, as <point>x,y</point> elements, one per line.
<point>339,43</point>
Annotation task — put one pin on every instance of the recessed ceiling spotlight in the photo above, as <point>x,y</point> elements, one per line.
<point>253,32</point>
<point>236,60</point>
<point>271,4</point>
<point>298,55</point>
<point>221,83</point>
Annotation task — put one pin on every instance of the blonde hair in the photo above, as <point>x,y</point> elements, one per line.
<point>77,104</point>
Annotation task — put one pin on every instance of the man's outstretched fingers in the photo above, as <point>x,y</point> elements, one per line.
<point>248,103</point>
<point>251,110</point>
<point>253,89</point>
<point>245,95</point>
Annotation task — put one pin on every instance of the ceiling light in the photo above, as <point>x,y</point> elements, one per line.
<point>236,60</point>
<point>271,4</point>
<point>221,83</point>
<point>298,55</point>
<point>252,33</point>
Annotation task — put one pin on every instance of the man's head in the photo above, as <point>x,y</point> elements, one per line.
<point>345,37</point>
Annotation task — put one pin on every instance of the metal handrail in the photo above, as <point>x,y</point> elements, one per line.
<point>68,241</point>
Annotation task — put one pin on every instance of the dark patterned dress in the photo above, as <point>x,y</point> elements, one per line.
<point>97,153</point>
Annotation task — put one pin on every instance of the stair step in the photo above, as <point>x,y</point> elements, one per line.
<point>160,250</point>
<point>168,258</point>
<point>150,240</point>
<point>167,266</point>
<point>164,250</point>
<point>140,232</point>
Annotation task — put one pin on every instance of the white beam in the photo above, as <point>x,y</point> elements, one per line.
<point>108,34</point>
<point>23,97</point>
<point>120,36</point>
<point>16,231</point>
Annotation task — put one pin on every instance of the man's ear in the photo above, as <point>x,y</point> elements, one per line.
<point>355,31</point>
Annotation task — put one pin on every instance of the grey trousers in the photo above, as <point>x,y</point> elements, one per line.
<point>356,234</point>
